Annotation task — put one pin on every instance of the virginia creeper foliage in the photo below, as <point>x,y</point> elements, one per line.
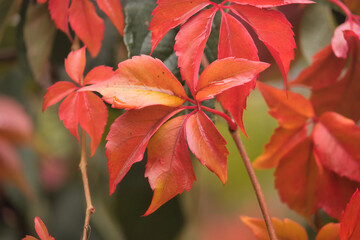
<point>83,19</point>
<point>143,83</point>
<point>41,231</point>
<point>84,108</point>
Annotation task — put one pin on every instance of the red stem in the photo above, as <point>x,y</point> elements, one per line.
<point>344,8</point>
<point>231,123</point>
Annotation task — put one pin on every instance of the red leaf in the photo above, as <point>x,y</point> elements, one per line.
<point>98,74</point>
<point>139,82</point>
<point>207,144</point>
<point>339,43</point>
<point>273,30</point>
<point>41,1</point>
<point>69,114</point>
<point>285,230</point>
<point>113,10</point>
<point>232,32</point>
<point>92,116</point>
<point>41,230</point>
<point>86,109</point>
<point>336,140</point>
<point>57,92</point>
<point>169,14</point>
<point>190,44</point>
<point>350,221</point>
<point>128,137</point>
<point>282,142</point>
<point>297,188</point>
<point>169,167</point>
<point>292,111</point>
<point>59,13</point>
<point>324,71</point>
<point>87,24</point>
<point>27,237</point>
<point>330,231</point>
<point>334,192</point>
<point>15,123</point>
<point>214,80</point>
<point>269,3</point>
<point>75,64</point>
<point>11,170</point>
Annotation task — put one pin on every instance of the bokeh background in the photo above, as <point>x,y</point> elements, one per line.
<point>39,158</point>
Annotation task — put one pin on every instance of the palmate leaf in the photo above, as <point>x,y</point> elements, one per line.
<point>80,107</point>
<point>330,231</point>
<point>169,14</point>
<point>84,20</point>
<point>128,137</point>
<point>285,230</point>
<point>336,140</point>
<point>290,111</point>
<point>139,82</point>
<point>207,144</point>
<point>331,89</point>
<point>297,188</point>
<point>41,231</point>
<point>350,221</point>
<point>214,80</point>
<point>169,168</point>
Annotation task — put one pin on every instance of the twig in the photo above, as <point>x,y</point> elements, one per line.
<point>259,194</point>
<point>82,165</point>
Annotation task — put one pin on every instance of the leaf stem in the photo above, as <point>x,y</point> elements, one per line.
<point>231,123</point>
<point>83,165</point>
<point>343,7</point>
<point>259,194</point>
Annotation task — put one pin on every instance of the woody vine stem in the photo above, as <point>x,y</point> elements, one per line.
<point>257,188</point>
<point>83,169</point>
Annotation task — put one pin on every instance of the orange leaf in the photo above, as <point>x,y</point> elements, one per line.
<point>334,192</point>
<point>98,74</point>
<point>207,144</point>
<point>113,10</point>
<point>169,167</point>
<point>285,230</point>
<point>92,117</point>
<point>139,82</point>
<point>57,92</point>
<point>330,231</point>
<point>190,44</point>
<point>59,13</point>
<point>297,188</point>
<point>75,64</point>
<point>232,32</point>
<point>87,24</point>
<point>292,111</point>
<point>214,80</point>
<point>41,230</point>
<point>350,221</point>
<point>282,141</point>
<point>128,137</point>
<point>336,140</point>
<point>269,3</point>
<point>169,14</point>
<point>234,100</point>
<point>324,71</point>
<point>274,30</point>
<point>86,109</point>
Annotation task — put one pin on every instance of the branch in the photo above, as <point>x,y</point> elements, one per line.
<point>83,165</point>
<point>83,168</point>
<point>259,194</point>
